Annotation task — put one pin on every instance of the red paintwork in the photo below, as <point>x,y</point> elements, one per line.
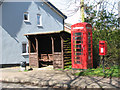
<point>102,44</point>
<point>85,60</point>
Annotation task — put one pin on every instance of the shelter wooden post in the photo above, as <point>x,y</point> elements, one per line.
<point>52,49</point>
<point>29,48</point>
<point>36,39</point>
<point>62,52</point>
<point>52,45</point>
<point>29,45</point>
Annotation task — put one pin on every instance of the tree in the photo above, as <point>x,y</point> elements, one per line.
<point>73,6</point>
<point>82,10</point>
<point>106,27</point>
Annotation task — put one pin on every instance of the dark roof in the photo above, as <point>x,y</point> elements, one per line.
<point>54,8</point>
<point>68,24</point>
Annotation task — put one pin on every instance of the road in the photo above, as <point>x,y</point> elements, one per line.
<point>25,86</point>
<point>53,78</point>
<point>12,85</point>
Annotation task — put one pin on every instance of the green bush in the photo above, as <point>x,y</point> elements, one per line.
<point>113,44</point>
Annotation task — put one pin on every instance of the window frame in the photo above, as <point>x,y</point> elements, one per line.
<point>26,48</point>
<point>27,17</point>
<point>40,20</point>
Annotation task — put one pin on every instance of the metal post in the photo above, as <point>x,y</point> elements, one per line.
<point>103,64</point>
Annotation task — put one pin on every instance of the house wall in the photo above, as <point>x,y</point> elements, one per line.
<point>0,34</point>
<point>0,15</point>
<point>1,44</point>
<point>15,28</point>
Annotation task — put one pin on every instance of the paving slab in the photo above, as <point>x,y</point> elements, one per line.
<point>55,78</point>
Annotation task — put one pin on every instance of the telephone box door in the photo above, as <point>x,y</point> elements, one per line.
<point>77,49</point>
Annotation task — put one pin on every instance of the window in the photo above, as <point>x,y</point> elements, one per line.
<point>39,20</point>
<point>24,48</point>
<point>26,16</point>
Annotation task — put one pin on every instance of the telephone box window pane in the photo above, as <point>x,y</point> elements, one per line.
<point>78,50</point>
<point>77,38</point>
<point>78,62</point>
<point>89,53</point>
<point>89,38</point>
<point>78,42</point>
<point>77,34</point>
<point>89,57</point>
<point>89,33</point>
<point>89,49</point>
<point>77,57</point>
<point>89,45</point>
<point>78,53</point>
<point>89,41</point>
<point>78,46</point>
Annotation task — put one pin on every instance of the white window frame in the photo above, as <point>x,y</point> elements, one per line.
<point>25,53</point>
<point>40,20</point>
<point>27,17</point>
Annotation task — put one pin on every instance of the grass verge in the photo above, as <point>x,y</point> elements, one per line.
<point>109,72</point>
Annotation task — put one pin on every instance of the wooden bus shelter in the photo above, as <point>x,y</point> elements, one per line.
<point>49,47</point>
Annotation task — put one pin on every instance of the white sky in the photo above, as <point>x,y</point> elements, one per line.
<point>62,6</point>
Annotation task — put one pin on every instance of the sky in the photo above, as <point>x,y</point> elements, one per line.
<point>74,17</point>
<point>68,7</point>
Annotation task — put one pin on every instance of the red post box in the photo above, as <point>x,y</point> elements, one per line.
<point>102,48</point>
<point>81,46</point>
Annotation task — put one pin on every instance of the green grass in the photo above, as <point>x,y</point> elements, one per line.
<point>68,67</point>
<point>59,69</point>
<point>112,72</point>
<point>24,70</point>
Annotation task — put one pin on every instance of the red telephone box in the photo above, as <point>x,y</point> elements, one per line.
<point>102,48</point>
<point>81,46</point>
